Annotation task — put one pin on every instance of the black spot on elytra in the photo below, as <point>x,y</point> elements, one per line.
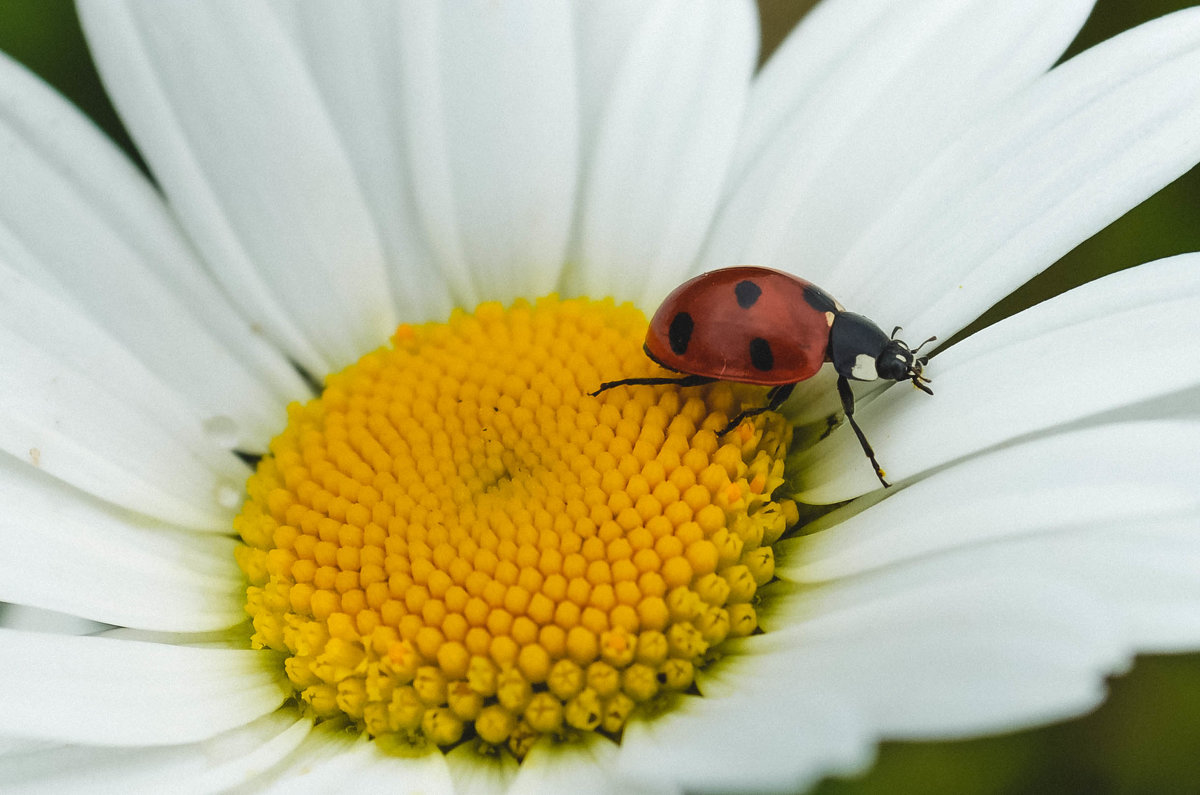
<point>760,354</point>
<point>818,299</point>
<point>747,293</point>
<point>680,333</point>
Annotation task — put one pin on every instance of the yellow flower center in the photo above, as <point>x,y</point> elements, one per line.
<point>457,541</point>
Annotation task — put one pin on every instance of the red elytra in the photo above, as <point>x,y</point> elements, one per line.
<point>708,326</point>
<point>756,325</point>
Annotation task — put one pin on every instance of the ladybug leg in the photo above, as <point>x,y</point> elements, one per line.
<point>683,380</point>
<point>777,396</point>
<point>847,397</point>
<point>775,399</point>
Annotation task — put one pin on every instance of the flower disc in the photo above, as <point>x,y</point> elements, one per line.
<point>456,540</point>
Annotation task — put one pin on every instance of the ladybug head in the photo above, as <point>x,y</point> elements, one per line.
<point>898,362</point>
<point>860,350</point>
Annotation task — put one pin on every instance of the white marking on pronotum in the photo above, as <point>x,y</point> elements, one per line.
<point>864,368</point>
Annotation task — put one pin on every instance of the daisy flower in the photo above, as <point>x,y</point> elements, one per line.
<point>462,572</point>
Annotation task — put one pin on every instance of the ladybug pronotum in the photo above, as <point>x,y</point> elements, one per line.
<point>761,326</point>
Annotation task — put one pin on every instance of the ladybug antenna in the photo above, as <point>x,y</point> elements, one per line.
<point>917,349</point>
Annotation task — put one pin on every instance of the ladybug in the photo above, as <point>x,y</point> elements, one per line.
<point>762,326</point>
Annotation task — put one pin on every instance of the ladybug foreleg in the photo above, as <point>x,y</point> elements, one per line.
<point>847,397</point>
<point>683,380</point>
<point>775,399</point>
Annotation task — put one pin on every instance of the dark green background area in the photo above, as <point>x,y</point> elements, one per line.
<point>1146,739</point>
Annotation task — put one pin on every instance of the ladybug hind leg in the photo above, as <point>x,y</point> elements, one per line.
<point>847,396</point>
<point>775,399</point>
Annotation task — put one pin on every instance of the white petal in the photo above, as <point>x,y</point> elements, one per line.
<point>815,51</point>
<point>945,653</point>
<point>61,550</point>
<point>1143,566</point>
<point>43,319</point>
<point>474,773</point>
<point>1184,404</point>
<point>127,441</point>
<point>887,89</point>
<point>225,113</point>
<point>330,760</point>
<point>1054,165</point>
<point>228,638</point>
<point>582,766</point>
<point>352,50</point>
<point>490,100</point>
<point>663,148</point>
<point>1123,476</point>
<point>79,219</point>
<point>756,741</point>
<point>14,747</point>
<point>604,34</point>
<point>99,691</point>
<point>1115,343</point>
<point>219,764</point>
<point>1148,582</point>
<point>36,619</point>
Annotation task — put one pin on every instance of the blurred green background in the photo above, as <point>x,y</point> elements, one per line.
<point>1146,738</point>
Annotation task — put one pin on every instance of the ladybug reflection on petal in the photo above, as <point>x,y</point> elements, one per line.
<point>761,326</point>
